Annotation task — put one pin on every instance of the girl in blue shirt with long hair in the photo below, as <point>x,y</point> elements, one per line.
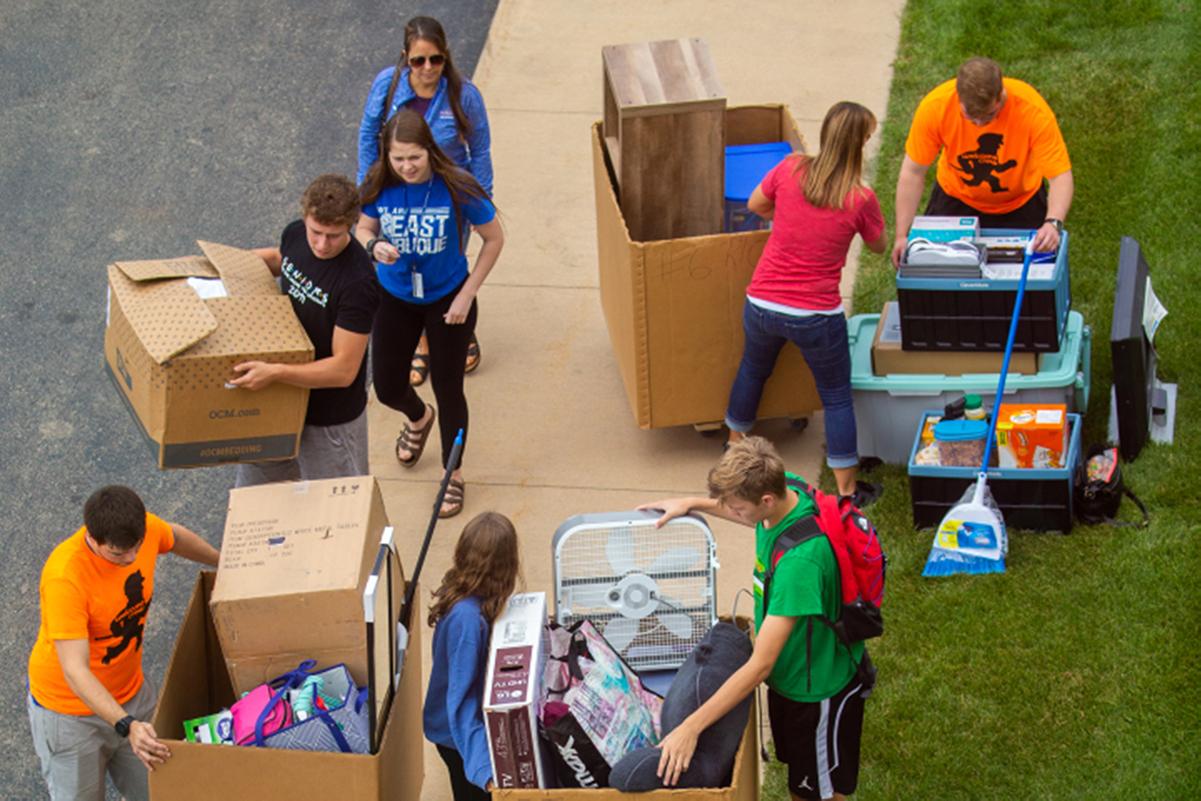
<point>473,592</point>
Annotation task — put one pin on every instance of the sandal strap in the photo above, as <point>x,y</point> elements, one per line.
<point>413,440</point>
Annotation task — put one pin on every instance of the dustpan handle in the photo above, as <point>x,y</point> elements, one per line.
<point>452,462</point>
<point>1013,329</point>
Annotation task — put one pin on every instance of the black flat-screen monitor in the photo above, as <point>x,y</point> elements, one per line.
<point>1132,350</point>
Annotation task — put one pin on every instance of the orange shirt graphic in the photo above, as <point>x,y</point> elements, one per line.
<point>997,167</point>
<point>84,596</point>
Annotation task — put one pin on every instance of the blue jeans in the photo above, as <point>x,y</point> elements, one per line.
<point>822,339</point>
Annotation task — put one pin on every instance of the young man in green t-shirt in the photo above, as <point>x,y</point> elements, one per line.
<point>815,698</point>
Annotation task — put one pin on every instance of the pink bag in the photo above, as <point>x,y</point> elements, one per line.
<point>250,707</point>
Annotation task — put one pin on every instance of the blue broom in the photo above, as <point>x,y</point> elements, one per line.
<point>972,536</point>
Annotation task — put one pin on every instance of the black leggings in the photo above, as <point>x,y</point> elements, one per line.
<point>461,789</point>
<point>398,326</point>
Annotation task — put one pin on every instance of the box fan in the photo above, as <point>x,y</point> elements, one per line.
<point>650,591</point>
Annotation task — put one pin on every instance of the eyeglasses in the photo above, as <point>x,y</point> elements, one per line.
<point>436,60</point>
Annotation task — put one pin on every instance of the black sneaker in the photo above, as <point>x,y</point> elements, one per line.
<point>866,494</point>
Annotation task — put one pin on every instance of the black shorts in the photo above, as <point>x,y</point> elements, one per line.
<point>1029,215</point>
<point>819,741</point>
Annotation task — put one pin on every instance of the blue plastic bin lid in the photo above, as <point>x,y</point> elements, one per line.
<point>960,430</point>
<point>747,164</point>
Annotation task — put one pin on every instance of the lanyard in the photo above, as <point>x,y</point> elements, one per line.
<point>409,208</point>
<point>415,276</point>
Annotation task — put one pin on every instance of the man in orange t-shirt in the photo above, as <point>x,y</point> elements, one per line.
<point>88,699</point>
<point>998,139</point>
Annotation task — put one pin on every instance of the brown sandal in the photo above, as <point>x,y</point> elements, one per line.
<point>419,369</point>
<point>452,501</point>
<point>413,440</point>
<point>473,355</point>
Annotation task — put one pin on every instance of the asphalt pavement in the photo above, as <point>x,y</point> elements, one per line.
<point>129,129</point>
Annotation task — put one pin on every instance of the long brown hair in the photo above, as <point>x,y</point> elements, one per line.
<point>485,564</point>
<point>428,29</point>
<point>409,127</point>
<point>834,176</point>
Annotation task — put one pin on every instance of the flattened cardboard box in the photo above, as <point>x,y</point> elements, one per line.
<point>174,329</point>
<point>889,359</point>
<point>197,684</point>
<point>294,561</point>
<point>673,307</point>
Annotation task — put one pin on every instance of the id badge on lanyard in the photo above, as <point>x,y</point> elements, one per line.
<point>414,274</point>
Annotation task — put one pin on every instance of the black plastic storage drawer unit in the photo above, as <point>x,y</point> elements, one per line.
<point>974,313</point>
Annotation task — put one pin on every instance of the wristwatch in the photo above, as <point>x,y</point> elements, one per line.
<point>371,243</point>
<point>1056,222</point>
<point>122,725</point>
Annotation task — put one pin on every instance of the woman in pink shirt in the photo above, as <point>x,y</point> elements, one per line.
<point>817,205</point>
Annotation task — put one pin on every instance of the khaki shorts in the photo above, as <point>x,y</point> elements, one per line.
<point>77,751</point>
<point>337,451</point>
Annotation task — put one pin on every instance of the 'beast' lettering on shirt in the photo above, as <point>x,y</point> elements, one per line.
<point>416,232</point>
<point>300,286</point>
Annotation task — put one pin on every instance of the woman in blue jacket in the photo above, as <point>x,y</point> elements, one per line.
<point>473,593</point>
<point>425,80</point>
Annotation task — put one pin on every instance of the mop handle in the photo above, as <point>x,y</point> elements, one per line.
<point>452,462</point>
<point>1013,329</point>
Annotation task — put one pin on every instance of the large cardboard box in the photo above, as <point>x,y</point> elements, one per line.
<point>197,683</point>
<point>744,783</point>
<point>175,328</point>
<point>673,307</point>
<point>294,561</point>
<point>743,787</point>
<point>889,359</point>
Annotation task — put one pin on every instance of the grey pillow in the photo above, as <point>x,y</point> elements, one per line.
<point>724,649</point>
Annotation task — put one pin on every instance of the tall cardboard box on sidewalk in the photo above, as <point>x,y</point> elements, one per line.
<point>294,561</point>
<point>174,329</point>
<point>197,683</point>
<point>673,307</point>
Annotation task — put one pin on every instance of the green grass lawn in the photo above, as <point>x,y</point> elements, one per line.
<point>1073,675</point>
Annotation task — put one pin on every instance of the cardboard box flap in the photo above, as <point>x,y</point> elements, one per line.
<point>168,317</point>
<point>159,269</point>
<point>242,271</point>
<point>254,326</point>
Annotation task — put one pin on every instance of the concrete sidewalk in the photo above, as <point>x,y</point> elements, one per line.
<point>552,434</point>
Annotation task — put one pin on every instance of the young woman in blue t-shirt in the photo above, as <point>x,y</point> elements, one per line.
<point>416,203</point>
<point>426,80</point>
<point>472,594</point>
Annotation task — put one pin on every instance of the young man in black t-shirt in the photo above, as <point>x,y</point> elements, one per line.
<point>334,293</point>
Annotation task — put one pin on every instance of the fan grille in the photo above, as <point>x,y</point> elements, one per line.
<point>675,564</point>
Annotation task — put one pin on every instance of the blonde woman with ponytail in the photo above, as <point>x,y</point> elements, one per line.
<point>817,205</point>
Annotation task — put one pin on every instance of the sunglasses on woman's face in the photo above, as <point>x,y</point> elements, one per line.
<point>436,60</point>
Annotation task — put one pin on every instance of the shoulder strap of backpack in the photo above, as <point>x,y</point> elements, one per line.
<point>1146,521</point>
<point>801,531</point>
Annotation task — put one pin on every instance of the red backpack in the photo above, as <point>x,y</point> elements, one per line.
<point>861,561</point>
